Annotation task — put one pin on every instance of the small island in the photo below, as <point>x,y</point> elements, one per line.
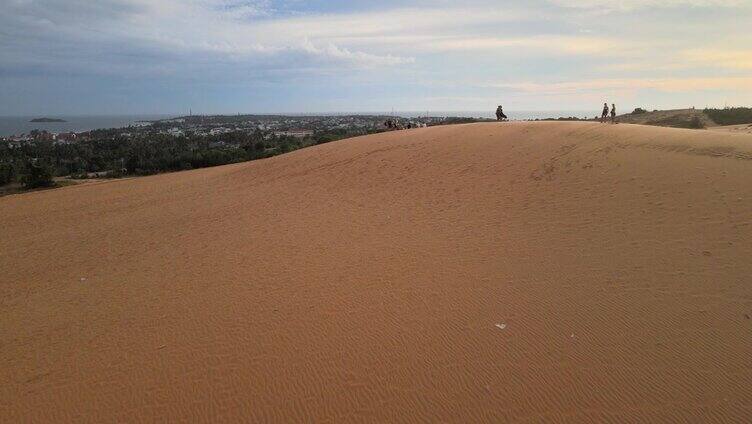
<point>47,120</point>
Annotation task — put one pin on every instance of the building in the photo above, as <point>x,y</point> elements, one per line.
<point>294,133</point>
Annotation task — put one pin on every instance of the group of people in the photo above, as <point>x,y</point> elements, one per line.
<point>500,116</point>
<point>393,124</point>
<point>604,114</point>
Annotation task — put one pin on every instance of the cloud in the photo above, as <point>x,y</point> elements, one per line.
<point>181,30</point>
<point>738,59</point>
<point>551,44</point>
<point>629,84</point>
<point>78,32</point>
<point>359,58</point>
<point>629,5</point>
<point>541,46</point>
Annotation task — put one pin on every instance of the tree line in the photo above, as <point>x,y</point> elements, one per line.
<point>730,116</point>
<point>107,153</point>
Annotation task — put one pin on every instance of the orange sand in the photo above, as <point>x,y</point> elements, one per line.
<point>363,280</point>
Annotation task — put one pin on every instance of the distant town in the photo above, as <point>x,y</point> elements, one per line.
<point>40,158</point>
<point>217,125</point>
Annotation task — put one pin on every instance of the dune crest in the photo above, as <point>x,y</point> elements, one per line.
<point>488,272</point>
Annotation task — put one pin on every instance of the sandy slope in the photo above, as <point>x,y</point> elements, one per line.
<point>736,129</point>
<point>363,280</point>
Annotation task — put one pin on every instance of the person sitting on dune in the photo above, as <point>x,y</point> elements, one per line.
<point>500,114</point>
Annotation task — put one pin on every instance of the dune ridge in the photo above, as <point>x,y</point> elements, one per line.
<point>571,272</point>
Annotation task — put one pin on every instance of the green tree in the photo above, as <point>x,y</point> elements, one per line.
<point>7,173</point>
<point>39,175</point>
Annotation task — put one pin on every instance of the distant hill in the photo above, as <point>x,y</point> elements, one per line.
<point>677,118</point>
<point>689,118</point>
<point>730,116</point>
<point>47,120</point>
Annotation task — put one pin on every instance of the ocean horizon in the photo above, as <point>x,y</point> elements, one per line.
<point>17,125</point>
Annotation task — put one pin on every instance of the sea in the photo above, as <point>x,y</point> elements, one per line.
<point>17,125</point>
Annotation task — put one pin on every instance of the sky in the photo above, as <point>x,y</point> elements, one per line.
<point>103,57</point>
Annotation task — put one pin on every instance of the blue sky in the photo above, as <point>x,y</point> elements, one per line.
<point>70,57</point>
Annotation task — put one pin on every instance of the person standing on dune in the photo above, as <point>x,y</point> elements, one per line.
<point>604,113</point>
<point>613,113</point>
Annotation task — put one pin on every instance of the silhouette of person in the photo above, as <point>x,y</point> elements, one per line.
<point>613,113</point>
<point>500,114</point>
<point>604,114</point>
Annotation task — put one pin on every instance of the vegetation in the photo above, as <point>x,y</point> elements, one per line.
<point>38,175</point>
<point>681,120</point>
<point>696,123</point>
<point>107,154</point>
<point>335,134</point>
<point>7,173</point>
<point>639,111</point>
<point>730,116</point>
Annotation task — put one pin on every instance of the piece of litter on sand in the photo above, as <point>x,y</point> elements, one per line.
<point>502,326</point>
<point>83,279</point>
<point>571,336</point>
<point>161,347</point>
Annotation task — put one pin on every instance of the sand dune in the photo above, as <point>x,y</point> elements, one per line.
<point>737,129</point>
<point>567,272</point>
